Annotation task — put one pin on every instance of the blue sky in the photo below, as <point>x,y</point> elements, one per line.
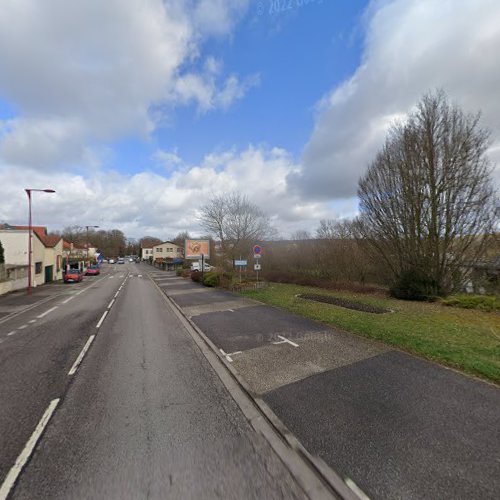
<point>148,108</point>
<point>322,39</point>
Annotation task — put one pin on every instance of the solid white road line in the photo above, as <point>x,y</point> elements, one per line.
<point>27,451</point>
<point>117,293</point>
<point>67,300</point>
<point>110,305</point>
<point>76,364</point>
<point>228,356</point>
<point>47,312</point>
<point>285,340</point>
<point>22,327</point>
<point>102,319</point>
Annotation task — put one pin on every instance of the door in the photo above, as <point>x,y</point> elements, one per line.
<point>49,274</point>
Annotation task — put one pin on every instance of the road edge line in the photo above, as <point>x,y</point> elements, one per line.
<point>27,451</point>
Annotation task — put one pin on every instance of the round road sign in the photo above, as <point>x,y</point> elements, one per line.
<point>257,249</point>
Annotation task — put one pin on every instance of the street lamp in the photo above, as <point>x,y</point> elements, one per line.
<point>30,230</point>
<point>87,227</point>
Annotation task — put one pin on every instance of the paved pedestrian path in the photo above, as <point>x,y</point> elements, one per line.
<point>397,425</point>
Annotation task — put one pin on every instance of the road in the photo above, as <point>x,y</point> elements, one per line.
<point>143,416</point>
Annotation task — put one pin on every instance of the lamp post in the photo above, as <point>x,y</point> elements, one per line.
<point>87,228</point>
<point>30,230</point>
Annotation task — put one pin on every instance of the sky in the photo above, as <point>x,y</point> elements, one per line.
<point>138,112</point>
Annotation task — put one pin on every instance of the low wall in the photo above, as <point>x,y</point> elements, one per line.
<point>12,278</point>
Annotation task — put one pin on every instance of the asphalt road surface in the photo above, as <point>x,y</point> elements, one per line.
<point>143,416</point>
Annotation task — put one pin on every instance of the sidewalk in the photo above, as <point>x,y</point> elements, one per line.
<point>18,301</point>
<point>397,425</point>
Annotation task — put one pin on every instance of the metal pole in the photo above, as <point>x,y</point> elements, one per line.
<point>28,192</point>
<point>202,266</point>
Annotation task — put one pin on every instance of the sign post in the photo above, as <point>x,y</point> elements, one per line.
<point>257,251</point>
<point>240,263</point>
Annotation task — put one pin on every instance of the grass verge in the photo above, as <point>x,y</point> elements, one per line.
<point>481,302</point>
<point>461,338</point>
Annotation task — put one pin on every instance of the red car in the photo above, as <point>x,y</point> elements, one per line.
<point>73,276</point>
<point>92,271</point>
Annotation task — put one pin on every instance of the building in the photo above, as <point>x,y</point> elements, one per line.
<point>46,252</point>
<point>147,252</point>
<point>167,255</point>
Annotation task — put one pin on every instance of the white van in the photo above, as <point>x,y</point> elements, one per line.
<point>196,266</point>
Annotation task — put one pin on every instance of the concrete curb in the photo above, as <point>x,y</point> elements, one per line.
<point>316,478</point>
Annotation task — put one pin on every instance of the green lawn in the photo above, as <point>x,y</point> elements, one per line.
<point>461,338</point>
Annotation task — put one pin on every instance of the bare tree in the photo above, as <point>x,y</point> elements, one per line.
<point>427,202</point>
<point>301,235</point>
<point>181,238</point>
<point>235,222</point>
<point>331,229</point>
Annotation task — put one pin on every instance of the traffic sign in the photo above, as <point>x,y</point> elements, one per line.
<point>257,256</point>
<point>257,249</point>
<point>240,263</point>
<point>257,267</point>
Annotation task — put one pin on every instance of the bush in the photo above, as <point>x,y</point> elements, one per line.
<point>212,279</point>
<point>196,276</point>
<point>415,285</point>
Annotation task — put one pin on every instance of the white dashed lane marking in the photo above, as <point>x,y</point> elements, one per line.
<point>47,312</point>
<point>102,319</point>
<point>81,355</point>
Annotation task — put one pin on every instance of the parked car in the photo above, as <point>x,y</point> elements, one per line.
<point>73,276</point>
<point>121,260</point>
<point>92,271</point>
<point>196,266</point>
<point>111,261</point>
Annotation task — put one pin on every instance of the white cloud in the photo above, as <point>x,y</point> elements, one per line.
<point>217,17</point>
<point>204,89</point>
<point>412,46</point>
<point>167,159</point>
<point>91,71</point>
<point>149,203</point>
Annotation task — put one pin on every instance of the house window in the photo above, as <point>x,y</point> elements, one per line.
<point>38,268</point>
<point>170,249</point>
